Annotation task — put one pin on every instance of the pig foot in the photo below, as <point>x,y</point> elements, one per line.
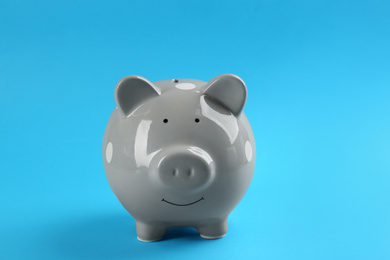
<point>149,232</point>
<point>213,230</point>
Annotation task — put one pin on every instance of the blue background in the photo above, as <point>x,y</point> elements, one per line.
<point>318,77</point>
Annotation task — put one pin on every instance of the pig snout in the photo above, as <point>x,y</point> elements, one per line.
<point>190,169</point>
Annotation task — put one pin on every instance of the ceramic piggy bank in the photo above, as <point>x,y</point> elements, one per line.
<point>179,153</point>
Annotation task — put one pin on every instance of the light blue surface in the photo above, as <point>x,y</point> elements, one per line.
<point>318,76</point>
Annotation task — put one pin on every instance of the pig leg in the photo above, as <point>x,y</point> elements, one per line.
<point>149,232</point>
<point>213,230</point>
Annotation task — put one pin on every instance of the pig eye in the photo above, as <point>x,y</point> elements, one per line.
<point>165,120</point>
<point>197,120</point>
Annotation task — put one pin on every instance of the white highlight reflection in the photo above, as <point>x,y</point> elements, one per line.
<point>141,143</point>
<point>201,153</point>
<point>227,122</point>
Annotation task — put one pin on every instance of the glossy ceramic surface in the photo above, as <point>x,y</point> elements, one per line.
<point>179,153</point>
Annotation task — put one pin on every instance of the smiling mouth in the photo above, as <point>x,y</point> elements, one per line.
<point>182,205</point>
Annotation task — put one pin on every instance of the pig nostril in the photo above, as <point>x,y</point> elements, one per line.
<point>190,172</point>
<point>175,172</point>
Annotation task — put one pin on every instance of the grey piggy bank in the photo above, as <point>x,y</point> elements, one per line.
<point>179,153</point>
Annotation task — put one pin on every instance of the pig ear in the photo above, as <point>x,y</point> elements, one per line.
<point>229,90</point>
<point>131,91</point>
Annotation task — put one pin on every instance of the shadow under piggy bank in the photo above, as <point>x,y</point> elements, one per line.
<point>113,237</point>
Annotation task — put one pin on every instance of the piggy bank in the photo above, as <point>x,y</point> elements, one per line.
<point>179,153</point>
